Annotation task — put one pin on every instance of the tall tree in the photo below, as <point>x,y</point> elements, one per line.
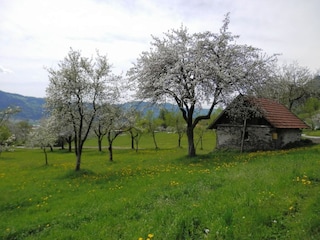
<point>192,69</point>
<point>77,90</point>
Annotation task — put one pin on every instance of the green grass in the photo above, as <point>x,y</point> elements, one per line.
<point>164,141</point>
<point>315,133</point>
<point>263,195</point>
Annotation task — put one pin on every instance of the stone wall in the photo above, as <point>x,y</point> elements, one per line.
<point>287,136</point>
<point>257,137</point>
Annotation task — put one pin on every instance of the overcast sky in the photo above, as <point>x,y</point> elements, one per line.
<point>39,33</point>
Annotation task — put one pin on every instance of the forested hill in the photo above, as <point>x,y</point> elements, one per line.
<point>31,107</point>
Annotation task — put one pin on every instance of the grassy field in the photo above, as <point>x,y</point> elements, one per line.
<point>312,133</point>
<point>160,194</point>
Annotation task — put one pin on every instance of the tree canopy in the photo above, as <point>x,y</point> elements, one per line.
<point>193,69</point>
<point>77,90</point>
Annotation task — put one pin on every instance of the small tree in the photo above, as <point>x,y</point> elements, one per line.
<point>136,134</point>
<point>100,125</point>
<point>200,130</point>
<point>106,113</point>
<point>134,127</point>
<point>6,136</point>
<point>43,137</point>
<point>21,130</point>
<point>119,121</point>
<point>177,123</point>
<point>151,124</point>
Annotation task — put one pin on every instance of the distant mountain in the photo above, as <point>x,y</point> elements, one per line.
<point>31,107</point>
<point>144,107</point>
<point>156,108</point>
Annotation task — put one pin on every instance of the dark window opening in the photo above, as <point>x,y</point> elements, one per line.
<point>246,136</point>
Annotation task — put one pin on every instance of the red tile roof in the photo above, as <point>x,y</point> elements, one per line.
<point>278,115</point>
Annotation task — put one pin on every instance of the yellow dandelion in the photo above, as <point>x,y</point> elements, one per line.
<point>150,235</point>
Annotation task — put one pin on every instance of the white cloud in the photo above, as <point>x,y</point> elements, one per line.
<point>5,70</point>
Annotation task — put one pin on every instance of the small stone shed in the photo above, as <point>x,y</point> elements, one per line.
<point>272,128</point>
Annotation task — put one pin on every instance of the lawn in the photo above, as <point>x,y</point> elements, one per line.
<point>160,193</point>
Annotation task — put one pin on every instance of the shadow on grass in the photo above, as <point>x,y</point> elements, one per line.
<point>216,156</point>
<point>83,173</point>
<point>97,178</point>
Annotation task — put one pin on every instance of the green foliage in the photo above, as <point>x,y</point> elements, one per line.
<point>4,134</point>
<point>310,112</point>
<point>161,194</point>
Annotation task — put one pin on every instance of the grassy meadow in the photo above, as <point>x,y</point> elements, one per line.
<point>160,194</point>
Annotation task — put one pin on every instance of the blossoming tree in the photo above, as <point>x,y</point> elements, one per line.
<point>196,69</point>
<point>77,90</point>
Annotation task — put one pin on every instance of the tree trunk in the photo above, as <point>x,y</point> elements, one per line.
<point>191,147</point>
<point>154,140</point>
<point>243,134</point>
<point>110,152</point>
<point>70,146</point>
<point>78,150</point>
<point>137,143</point>
<point>132,142</point>
<point>179,141</point>
<point>110,141</point>
<point>75,146</point>
<point>69,141</point>
<point>100,144</point>
<point>78,163</point>
<point>45,155</point>
<point>201,143</point>
<point>132,139</point>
